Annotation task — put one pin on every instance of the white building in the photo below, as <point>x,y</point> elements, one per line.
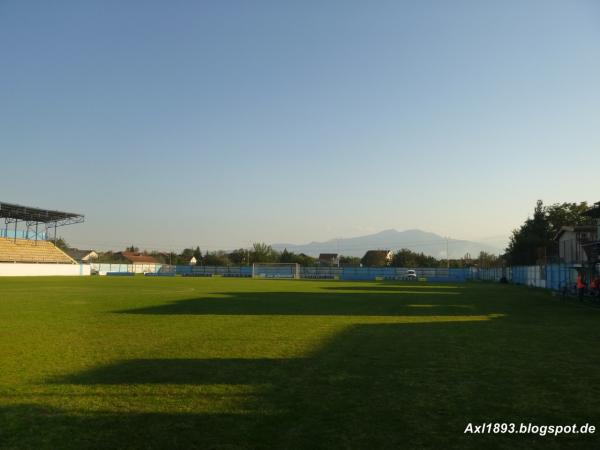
<point>570,242</point>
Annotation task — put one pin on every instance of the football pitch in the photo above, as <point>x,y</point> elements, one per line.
<point>218,363</point>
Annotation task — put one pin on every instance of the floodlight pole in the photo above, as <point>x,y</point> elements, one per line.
<point>447,254</point>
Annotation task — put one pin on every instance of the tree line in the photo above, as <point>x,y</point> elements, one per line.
<point>264,253</point>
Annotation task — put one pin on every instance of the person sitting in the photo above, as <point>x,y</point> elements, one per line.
<point>580,287</point>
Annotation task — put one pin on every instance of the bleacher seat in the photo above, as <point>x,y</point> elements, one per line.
<point>29,251</point>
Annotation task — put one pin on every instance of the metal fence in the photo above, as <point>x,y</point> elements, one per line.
<point>340,273</point>
<point>551,276</point>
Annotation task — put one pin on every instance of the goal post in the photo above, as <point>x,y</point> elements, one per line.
<point>276,270</point>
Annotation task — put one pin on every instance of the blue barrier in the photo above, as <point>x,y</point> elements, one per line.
<point>550,276</point>
<point>120,274</point>
<point>437,275</point>
<point>394,273</point>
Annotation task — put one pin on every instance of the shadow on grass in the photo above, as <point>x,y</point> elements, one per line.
<point>371,386</point>
<point>314,303</point>
<point>34,427</point>
<point>189,371</point>
<point>393,287</point>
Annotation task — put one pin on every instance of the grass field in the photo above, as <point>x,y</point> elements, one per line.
<point>166,363</point>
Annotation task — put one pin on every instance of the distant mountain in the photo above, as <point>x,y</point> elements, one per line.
<point>416,240</point>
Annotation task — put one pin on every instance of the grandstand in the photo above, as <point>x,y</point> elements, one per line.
<point>30,251</point>
<point>24,243</point>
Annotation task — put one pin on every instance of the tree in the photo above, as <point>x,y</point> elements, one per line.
<point>185,256</point>
<point>218,258</point>
<point>488,260</point>
<point>132,248</point>
<point>526,242</point>
<point>374,259</point>
<point>263,253</point>
<point>349,261</point>
<point>407,258</point>
<point>530,243</point>
<point>286,257</point>
<point>564,214</point>
<point>62,244</point>
<point>303,260</point>
<point>198,255</point>
<point>239,257</point>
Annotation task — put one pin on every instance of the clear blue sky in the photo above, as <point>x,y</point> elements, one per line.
<point>179,123</point>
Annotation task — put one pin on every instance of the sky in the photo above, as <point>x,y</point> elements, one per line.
<point>219,124</point>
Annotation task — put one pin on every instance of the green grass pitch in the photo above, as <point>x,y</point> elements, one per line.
<point>169,363</point>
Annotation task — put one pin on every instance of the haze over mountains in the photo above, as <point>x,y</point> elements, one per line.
<point>416,240</point>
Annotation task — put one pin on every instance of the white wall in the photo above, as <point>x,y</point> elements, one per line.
<point>38,270</point>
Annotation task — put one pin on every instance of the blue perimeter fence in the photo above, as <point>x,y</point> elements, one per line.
<point>340,273</point>
<point>552,276</point>
<point>316,273</point>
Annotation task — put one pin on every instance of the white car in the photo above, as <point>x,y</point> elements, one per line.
<point>411,274</point>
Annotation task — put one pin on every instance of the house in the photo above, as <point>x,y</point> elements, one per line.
<point>377,258</point>
<point>329,259</point>
<point>571,242</point>
<point>82,256</point>
<point>139,258</point>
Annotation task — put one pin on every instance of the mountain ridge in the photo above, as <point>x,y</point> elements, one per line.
<point>414,239</point>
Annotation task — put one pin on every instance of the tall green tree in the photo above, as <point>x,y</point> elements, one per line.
<point>534,240</point>
<point>239,257</point>
<point>218,258</point>
<point>185,256</point>
<point>486,259</point>
<point>198,255</point>
<point>407,258</point>
<point>374,259</point>
<point>530,239</point>
<point>565,214</point>
<point>303,260</point>
<point>263,253</point>
<point>286,257</point>
<point>349,261</point>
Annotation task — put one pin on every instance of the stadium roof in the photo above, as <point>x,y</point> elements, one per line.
<point>12,213</point>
